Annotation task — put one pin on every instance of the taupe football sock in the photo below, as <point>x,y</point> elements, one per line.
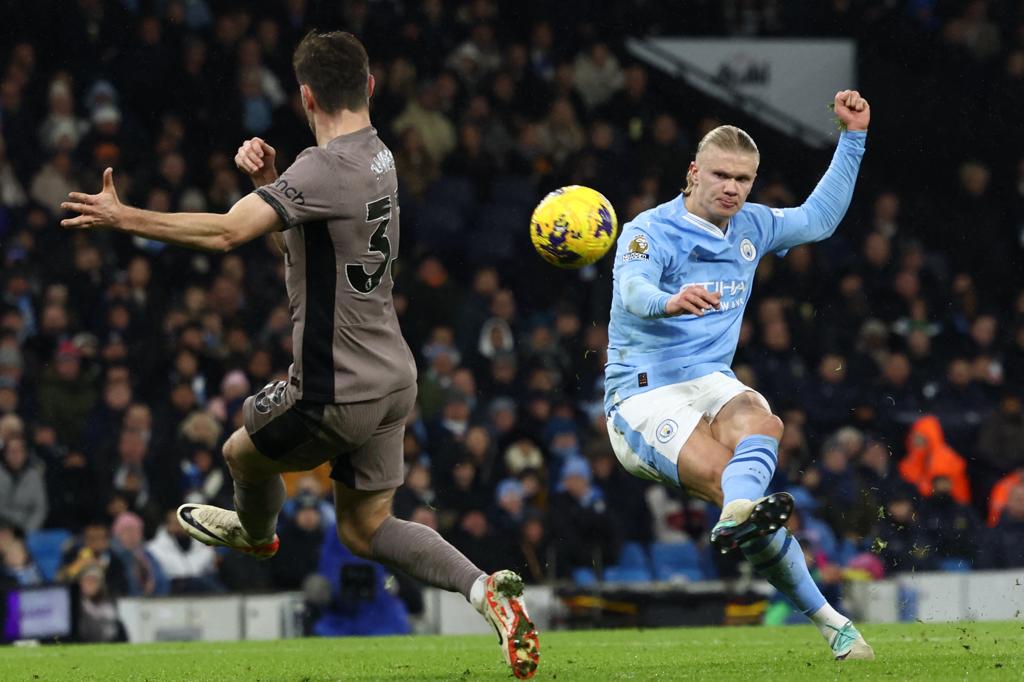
<point>258,505</point>
<point>421,553</point>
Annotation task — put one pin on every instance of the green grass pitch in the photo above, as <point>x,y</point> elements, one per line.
<point>925,651</point>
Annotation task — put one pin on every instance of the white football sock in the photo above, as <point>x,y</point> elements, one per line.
<point>477,592</point>
<point>828,621</point>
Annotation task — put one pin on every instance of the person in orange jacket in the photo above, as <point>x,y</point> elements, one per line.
<point>928,456</point>
<point>1001,494</point>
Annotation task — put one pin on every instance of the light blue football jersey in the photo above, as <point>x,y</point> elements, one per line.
<point>667,248</point>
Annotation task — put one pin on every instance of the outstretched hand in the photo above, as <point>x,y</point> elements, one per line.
<point>96,211</point>
<point>852,110</point>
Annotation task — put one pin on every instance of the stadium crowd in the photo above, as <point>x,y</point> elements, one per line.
<point>894,352</point>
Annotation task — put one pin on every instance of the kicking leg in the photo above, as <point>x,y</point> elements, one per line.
<point>259,496</point>
<point>366,526</point>
<point>747,426</point>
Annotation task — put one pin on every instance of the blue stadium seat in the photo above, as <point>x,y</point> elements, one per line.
<point>633,556</point>
<point>955,565</point>
<point>584,577</point>
<point>674,560</point>
<point>622,574</point>
<point>46,547</point>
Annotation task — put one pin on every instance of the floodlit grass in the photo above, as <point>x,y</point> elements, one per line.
<point>908,651</point>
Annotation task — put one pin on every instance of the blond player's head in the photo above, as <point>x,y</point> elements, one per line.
<point>720,177</point>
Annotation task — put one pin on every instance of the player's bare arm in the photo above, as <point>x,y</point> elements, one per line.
<point>249,218</point>
<point>257,159</point>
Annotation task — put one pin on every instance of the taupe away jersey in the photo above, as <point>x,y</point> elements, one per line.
<point>339,205</point>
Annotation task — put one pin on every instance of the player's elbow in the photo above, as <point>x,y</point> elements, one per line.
<point>229,239</point>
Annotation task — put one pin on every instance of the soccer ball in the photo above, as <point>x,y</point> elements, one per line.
<point>573,226</point>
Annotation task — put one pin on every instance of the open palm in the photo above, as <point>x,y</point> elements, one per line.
<point>95,210</point>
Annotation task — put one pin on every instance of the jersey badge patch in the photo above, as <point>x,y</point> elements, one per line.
<point>637,249</point>
<point>747,250</point>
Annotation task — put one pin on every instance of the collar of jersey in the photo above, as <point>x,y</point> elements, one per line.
<point>708,227</point>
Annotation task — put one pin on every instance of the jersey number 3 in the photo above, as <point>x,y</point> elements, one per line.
<point>362,281</point>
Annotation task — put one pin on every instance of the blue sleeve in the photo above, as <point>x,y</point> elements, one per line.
<point>819,216</point>
<point>639,264</point>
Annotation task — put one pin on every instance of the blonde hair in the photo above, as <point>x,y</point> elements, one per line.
<point>726,138</point>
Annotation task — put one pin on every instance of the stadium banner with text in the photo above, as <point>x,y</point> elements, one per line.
<point>787,83</point>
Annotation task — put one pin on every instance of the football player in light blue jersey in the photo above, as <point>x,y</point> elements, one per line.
<point>676,413</point>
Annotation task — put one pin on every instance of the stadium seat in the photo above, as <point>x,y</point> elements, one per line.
<point>622,574</point>
<point>676,560</point>
<point>633,555</point>
<point>584,577</point>
<point>46,547</point>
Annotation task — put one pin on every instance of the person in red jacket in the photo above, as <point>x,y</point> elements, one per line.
<point>928,457</point>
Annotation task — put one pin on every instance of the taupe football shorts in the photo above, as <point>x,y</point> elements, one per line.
<point>363,441</point>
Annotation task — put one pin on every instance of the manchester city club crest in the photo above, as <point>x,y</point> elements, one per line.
<point>666,430</point>
<point>747,250</point>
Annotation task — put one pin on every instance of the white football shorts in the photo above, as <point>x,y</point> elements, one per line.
<point>649,429</point>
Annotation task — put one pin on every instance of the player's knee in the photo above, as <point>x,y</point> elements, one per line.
<point>772,426</point>
<point>230,453</point>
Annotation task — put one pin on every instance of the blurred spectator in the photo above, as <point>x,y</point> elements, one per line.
<point>1003,546</point>
<point>1000,446</point>
<point>597,75</point>
<point>584,530</point>
<point>97,619</point>
<point>189,565</point>
<point>475,538</point>
<point>93,549</point>
<point>23,500</point>
<point>624,493</point>
<point>530,555</point>
<point>902,543</point>
<point>954,526</point>
<point>1000,495</point>
<point>67,393</point>
<point>929,457</point>
<point>144,575</point>
<point>303,534</point>
<point>18,567</point>
<point>436,132</point>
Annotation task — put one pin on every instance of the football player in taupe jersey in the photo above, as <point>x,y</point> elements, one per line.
<point>334,213</point>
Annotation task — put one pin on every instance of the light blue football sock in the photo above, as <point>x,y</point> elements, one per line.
<point>779,560</point>
<point>748,473</point>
